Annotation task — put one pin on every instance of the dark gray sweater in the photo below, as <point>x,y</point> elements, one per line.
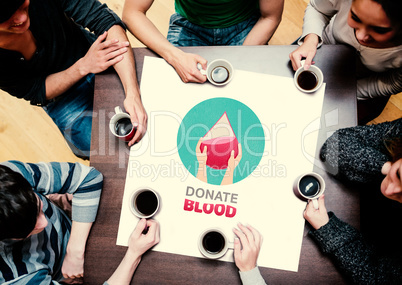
<point>354,257</point>
<point>357,154</point>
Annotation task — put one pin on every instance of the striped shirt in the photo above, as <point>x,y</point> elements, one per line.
<point>38,259</point>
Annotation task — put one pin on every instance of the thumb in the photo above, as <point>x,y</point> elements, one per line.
<point>140,227</point>
<point>237,247</point>
<point>321,203</point>
<point>308,61</point>
<point>202,61</point>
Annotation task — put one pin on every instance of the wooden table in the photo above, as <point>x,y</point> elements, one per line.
<point>110,157</point>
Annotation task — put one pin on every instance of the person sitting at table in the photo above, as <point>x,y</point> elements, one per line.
<point>49,57</point>
<point>374,29</point>
<point>34,229</point>
<point>38,242</point>
<point>364,154</point>
<point>247,247</point>
<point>203,23</point>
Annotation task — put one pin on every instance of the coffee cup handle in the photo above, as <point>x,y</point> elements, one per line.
<point>118,110</point>
<point>203,72</point>
<point>315,203</point>
<point>230,245</point>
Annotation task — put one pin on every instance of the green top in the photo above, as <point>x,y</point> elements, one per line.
<point>216,14</point>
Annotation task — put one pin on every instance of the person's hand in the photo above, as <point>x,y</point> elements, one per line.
<point>202,161</point>
<point>185,65</point>
<point>139,242</point>
<point>201,154</point>
<point>73,265</point>
<point>246,247</point>
<point>139,117</point>
<point>316,218</point>
<point>391,186</point>
<point>307,50</point>
<point>102,54</point>
<point>233,162</point>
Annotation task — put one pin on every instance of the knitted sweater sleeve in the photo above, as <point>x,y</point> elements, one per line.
<point>357,154</point>
<point>355,258</point>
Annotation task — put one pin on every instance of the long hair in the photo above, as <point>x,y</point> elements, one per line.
<point>18,205</point>
<point>394,147</point>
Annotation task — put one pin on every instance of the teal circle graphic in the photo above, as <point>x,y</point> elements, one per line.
<point>246,127</point>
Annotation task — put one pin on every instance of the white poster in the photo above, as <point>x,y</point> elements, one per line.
<point>269,131</point>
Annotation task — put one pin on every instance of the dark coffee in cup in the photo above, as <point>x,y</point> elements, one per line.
<point>309,186</point>
<point>123,127</point>
<point>213,242</point>
<point>220,74</point>
<point>307,80</point>
<point>146,202</point>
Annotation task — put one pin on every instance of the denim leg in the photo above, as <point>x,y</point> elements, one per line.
<point>236,34</point>
<point>184,33</point>
<point>72,113</point>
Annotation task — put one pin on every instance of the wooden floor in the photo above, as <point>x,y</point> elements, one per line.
<point>28,134</point>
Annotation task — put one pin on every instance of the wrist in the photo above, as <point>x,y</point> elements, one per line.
<point>133,257</point>
<point>311,39</point>
<point>172,55</point>
<point>76,251</point>
<point>247,268</point>
<point>133,94</point>
<point>81,67</point>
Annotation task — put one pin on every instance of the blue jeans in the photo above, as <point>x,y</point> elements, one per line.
<point>72,113</point>
<point>184,33</point>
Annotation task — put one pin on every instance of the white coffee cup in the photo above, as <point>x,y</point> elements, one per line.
<point>309,186</point>
<point>213,243</point>
<point>118,117</point>
<point>144,202</point>
<point>219,72</point>
<point>309,80</point>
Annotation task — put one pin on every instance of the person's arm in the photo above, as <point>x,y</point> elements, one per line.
<point>84,182</point>
<point>73,263</point>
<point>105,52</point>
<point>263,30</point>
<point>102,54</point>
<point>357,154</point>
<point>128,77</point>
<point>380,84</point>
<point>185,64</point>
<point>348,249</point>
<point>138,244</point>
<point>316,17</point>
<point>247,246</point>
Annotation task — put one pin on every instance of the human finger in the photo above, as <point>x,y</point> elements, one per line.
<point>237,248</point>
<point>295,59</point>
<point>247,232</point>
<point>141,226</point>
<point>256,234</point>
<point>101,38</point>
<point>308,61</point>
<point>242,237</point>
<point>202,61</point>
<point>240,153</point>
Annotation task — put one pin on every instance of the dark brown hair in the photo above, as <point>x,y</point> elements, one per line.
<point>394,147</point>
